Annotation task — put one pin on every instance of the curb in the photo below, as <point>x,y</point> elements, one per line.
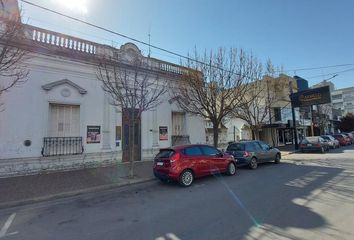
<point>289,153</point>
<point>28,201</point>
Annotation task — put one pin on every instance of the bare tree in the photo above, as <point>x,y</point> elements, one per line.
<point>134,88</point>
<point>214,85</point>
<point>13,54</point>
<point>323,116</point>
<point>262,95</point>
<point>254,109</point>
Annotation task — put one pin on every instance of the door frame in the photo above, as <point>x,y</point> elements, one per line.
<point>126,136</point>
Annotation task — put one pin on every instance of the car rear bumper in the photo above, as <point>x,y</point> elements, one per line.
<point>242,161</point>
<point>311,149</point>
<point>165,176</point>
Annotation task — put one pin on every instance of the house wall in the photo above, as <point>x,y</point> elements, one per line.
<point>26,111</point>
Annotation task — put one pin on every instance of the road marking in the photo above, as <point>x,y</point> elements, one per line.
<point>172,236</point>
<point>169,236</point>
<point>6,227</point>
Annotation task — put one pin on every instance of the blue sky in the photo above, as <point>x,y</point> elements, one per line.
<point>293,33</point>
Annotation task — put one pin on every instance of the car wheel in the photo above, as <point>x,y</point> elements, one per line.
<point>186,178</point>
<point>277,158</point>
<point>253,163</point>
<point>231,169</point>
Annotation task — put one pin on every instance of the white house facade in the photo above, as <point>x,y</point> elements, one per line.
<point>60,118</point>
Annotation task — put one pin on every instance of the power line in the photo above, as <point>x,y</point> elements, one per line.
<point>318,68</point>
<point>163,49</point>
<point>333,73</point>
<point>116,33</point>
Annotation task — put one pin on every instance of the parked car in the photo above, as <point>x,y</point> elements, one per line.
<point>252,153</point>
<point>343,139</point>
<point>313,144</point>
<point>331,141</point>
<point>350,136</point>
<point>185,163</point>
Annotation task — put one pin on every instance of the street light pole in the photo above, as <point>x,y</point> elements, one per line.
<point>294,118</point>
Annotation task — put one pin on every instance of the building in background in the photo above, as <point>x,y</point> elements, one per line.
<point>325,117</point>
<point>279,128</point>
<point>343,99</point>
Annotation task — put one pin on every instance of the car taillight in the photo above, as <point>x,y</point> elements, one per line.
<point>246,154</point>
<point>175,157</point>
<point>318,145</point>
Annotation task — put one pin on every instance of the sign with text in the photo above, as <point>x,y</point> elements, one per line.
<point>93,134</point>
<point>163,131</point>
<point>311,97</point>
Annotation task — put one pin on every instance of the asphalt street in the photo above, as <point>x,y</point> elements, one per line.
<point>307,196</point>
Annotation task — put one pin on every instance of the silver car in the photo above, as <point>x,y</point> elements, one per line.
<point>331,141</point>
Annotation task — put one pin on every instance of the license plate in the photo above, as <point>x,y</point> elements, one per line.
<point>159,163</point>
<point>309,145</point>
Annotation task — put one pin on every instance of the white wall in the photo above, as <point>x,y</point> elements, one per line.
<point>25,115</point>
<point>238,124</point>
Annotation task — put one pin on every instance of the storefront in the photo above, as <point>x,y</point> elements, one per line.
<point>285,136</point>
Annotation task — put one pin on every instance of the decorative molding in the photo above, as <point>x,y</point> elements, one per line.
<point>52,85</point>
<point>65,92</point>
<point>130,47</point>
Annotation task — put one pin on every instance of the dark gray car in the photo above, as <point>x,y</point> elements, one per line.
<point>313,144</point>
<point>252,153</point>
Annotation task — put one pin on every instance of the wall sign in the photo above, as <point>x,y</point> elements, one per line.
<point>311,97</point>
<point>93,134</point>
<point>163,131</point>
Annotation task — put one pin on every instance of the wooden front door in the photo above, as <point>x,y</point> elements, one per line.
<point>128,146</point>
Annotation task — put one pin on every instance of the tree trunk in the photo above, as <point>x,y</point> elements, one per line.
<point>132,154</point>
<point>216,134</point>
<point>255,134</point>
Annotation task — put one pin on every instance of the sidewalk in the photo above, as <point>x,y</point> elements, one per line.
<point>287,149</point>
<point>27,189</point>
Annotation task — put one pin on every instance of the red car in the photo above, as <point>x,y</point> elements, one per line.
<point>343,140</point>
<point>185,163</point>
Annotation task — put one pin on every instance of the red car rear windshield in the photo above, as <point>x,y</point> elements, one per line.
<point>165,153</point>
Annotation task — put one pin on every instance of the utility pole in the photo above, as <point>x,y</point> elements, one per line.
<point>294,118</point>
<point>312,127</point>
<point>149,45</point>
<point>270,114</point>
